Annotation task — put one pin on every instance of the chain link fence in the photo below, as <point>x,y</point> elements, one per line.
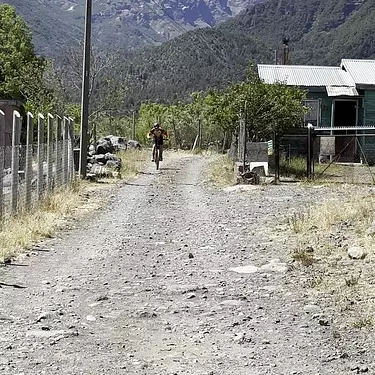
<point>39,161</point>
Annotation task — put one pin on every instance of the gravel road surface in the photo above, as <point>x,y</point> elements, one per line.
<point>175,276</point>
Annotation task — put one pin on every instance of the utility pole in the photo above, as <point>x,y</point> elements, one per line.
<point>85,92</point>
<point>133,126</point>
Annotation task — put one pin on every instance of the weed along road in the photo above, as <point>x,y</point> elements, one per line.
<point>177,276</point>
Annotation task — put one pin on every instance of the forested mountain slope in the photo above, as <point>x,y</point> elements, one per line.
<point>128,24</point>
<point>319,31</point>
<point>53,31</point>
<point>194,61</point>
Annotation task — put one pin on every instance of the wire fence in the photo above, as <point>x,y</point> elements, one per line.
<point>39,161</point>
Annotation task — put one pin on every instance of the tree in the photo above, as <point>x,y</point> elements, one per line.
<point>106,90</point>
<point>21,71</point>
<point>149,113</point>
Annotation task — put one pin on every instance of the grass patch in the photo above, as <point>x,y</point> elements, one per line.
<point>330,228</point>
<point>304,257</point>
<point>367,322</point>
<point>352,280</point>
<point>353,211</point>
<point>295,167</point>
<point>19,232</point>
<point>133,161</point>
<point>222,171</point>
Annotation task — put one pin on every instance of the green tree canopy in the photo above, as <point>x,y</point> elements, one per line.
<point>21,71</point>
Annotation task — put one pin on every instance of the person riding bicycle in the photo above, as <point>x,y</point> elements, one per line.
<point>158,134</point>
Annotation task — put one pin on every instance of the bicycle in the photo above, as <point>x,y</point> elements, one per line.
<point>157,153</point>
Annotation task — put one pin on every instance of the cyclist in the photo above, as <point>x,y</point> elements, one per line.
<point>158,134</point>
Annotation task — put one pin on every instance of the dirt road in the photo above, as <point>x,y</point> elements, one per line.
<point>152,286</point>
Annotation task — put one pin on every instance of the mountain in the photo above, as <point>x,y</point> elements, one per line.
<point>319,32</point>
<point>52,30</point>
<point>197,60</point>
<point>121,23</point>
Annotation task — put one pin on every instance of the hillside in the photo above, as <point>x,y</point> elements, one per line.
<point>52,30</point>
<point>194,61</point>
<point>121,23</point>
<point>320,32</point>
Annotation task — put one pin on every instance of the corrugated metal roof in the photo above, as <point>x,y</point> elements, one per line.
<point>304,75</point>
<point>362,71</point>
<point>341,91</point>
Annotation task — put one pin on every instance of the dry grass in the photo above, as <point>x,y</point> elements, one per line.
<point>304,257</point>
<point>356,211</point>
<point>133,161</point>
<point>222,171</point>
<point>323,233</point>
<point>20,232</point>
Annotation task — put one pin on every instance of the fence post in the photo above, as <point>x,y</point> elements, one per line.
<point>71,150</point>
<point>58,152</point>
<point>65,154</point>
<point>2,155</point>
<point>49,152</point>
<point>310,152</point>
<point>40,185</point>
<point>29,159</point>
<point>15,160</point>
<point>277,156</point>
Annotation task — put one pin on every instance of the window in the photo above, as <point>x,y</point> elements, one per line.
<point>313,116</point>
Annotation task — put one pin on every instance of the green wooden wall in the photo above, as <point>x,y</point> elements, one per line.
<point>368,142</point>
<point>369,108</point>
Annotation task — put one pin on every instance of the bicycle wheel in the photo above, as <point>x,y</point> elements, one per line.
<point>157,158</point>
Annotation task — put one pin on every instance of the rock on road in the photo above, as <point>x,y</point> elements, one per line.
<point>174,277</point>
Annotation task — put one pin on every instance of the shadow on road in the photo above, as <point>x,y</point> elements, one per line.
<point>12,286</point>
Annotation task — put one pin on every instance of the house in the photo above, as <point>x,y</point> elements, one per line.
<point>342,103</point>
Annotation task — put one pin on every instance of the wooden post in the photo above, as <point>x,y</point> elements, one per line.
<point>49,152</point>
<point>277,157</point>
<point>40,181</point>
<point>29,157</point>
<point>2,157</point>
<point>15,160</point>
<point>175,134</point>
<point>133,127</point>
<point>310,130</point>
<point>58,152</point>
<point>199,134</point>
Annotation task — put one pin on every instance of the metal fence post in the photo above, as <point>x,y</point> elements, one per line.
<point>29,159</point>
<point>65,155</point>
<point>2,153</point>
<point>15,160</point>
<point>71,150</point>
<point>310,153</point>
<point>58,152</point>
<point>49,152</point>
<point>40,184</point>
